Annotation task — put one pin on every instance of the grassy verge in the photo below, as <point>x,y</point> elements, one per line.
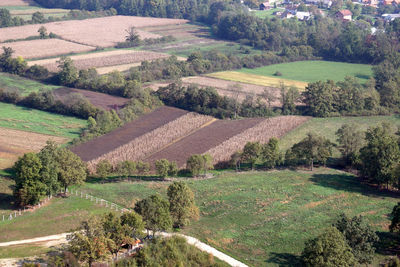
<point>327,127</point>
<point>312,71</point>
<point>22,85</point>
<point>264,218</point>
<point>37,121</point>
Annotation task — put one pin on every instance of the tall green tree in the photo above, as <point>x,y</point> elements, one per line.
<point>270,153</point>
<point>359,236</point>
<point>155,212</point>
<point>50,167</point>
<point>395,223</point>
<point>195,164</point>
<point>380,155</point>
<point>104,168</point>
<point>135,222</point>
<point>319,98</point>
<point>68,73</point>
<point>181,203</point>
<point>350,141</point>
<point>71,168</point>
<point>328,250</point>
<point>251,153</point>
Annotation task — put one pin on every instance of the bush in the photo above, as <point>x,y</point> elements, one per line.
<point>104,168</point>
<point>277,73</point>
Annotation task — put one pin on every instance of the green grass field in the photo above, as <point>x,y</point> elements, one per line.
<point>262,14</point>
<point>32,120</point>
<point>312,71</point>
<point>263,218</point>
<point>22,85</point>
<point>327,127</point>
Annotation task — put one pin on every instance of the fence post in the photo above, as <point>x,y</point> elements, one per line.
<point>3,217</point>
<point>10,218</point>
<point>20,212</point>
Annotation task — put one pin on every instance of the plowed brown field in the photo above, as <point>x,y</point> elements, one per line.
<point>103,32</point>
<point>14,143</point>
<point>100,100</point>
<point>46,48</point>
<point>111,141</point>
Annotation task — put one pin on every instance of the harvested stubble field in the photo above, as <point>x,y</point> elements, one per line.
<point>257,79</point>
<point>236,90</point>
<point>46,48</point>
<point>101,32</point>
<point>102,59</point>
<point>16,2</point>
<point>14,143</point>
<point>151,142</point>
<point>262,132</point>
<point>99,100</point>
<point>121,136</point>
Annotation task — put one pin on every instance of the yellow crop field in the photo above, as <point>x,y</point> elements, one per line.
<point>257,79</point>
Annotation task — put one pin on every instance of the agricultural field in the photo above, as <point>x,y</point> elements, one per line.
<point>231,89</point>
<point>312,71</point>
<point>223,137</point>
<point>97,32</point>
<point>264,218</point>
<point>26,130</point>
<point>46,48</point>
<point>111,141</point>
<point>25,12</point>
<point>16,3</point>
<point>102,59</point>
<point>257,79</point>
<point>11,83</point>
<point>327,127</point>
<point>99,100</point>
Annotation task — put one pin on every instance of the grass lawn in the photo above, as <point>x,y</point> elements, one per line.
<point>262,14</point>
<point>22,85</point>
<point>327,127</point>
<point>312,71</point>
<point>263,218</point>
<point>32,120</point>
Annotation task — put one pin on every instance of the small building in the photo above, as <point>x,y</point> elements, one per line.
<point>390,17</point>
<point>265,6</point>
<point>303,15</point>
<point>344,15</point>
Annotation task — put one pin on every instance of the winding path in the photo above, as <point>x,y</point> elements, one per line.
<point>61,238</point>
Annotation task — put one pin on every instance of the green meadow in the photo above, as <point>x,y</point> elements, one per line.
<point>22,85</point>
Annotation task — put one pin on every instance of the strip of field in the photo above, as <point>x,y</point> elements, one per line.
<point>15,83</point>
<point>37,121</point>
<point>316,70</point>
<point>236,90</point>
<point>257,79</point>
<point>111,141</point>
<point>16,2</point>
<point>30,11</point>
<point>262,132</point>
<point>203,140</point>
<point>103,32</point>
<point>154,140</point>
<point>99,100</point>
<point>14,143</point>
<point>46,48</point>
<point>103,59</point>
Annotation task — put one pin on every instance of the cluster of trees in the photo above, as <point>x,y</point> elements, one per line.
<point>207,101</point>
<point>197,164</point>
<point>124,168</point>
<point>132,39</point>
<point>347,243</point>
<point>264,155</point>
<point>98,238</point>
<point>6,20</point>
<point>349,97</point>
<point>43,174</point>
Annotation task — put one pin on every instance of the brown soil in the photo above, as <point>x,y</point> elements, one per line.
<point>99,100</point>
<point>203,140</point>
<point>144,124</point>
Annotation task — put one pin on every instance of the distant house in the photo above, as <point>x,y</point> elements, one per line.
<point>390,17</point>
<point>265,6</point>
<point>303,15</point>
<point>344,15</point>
<point>389,2</point>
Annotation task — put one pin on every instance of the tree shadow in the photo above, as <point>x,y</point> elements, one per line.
<point>118,179</point>
<point>284,259</point>
<point>350,183</point>
<point>6,202</point>
<point>389,243</point>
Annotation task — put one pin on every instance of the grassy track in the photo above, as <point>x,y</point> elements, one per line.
<point>263,218</point>
<point>21,251</point>
<point>257,79</point>
<point>312,71</point>
<point>22,85</point>
<point>32,120</point>
<point>327,127</point>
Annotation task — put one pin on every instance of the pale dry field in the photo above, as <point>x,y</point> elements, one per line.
<point>46,48</point>
<point>102,32</point>
<point>14,143</point>
<point>16,2</point>
<point>262,132</point>
<point>103,59</point>
<point>236,90</point>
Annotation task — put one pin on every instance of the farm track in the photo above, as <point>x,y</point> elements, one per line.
<point>144,124</point>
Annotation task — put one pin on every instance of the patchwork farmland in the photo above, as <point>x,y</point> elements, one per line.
<point>102,59</point>
<point>175,134</point>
